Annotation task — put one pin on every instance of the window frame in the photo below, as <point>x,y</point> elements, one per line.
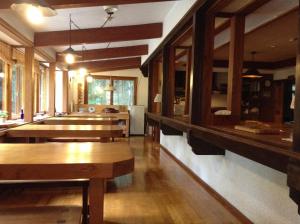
<point>112,78</point>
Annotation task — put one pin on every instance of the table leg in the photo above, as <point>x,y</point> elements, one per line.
<point>96,200</point>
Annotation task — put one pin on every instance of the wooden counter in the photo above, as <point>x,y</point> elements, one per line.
<point>56,131</point>
<point>93,161</point>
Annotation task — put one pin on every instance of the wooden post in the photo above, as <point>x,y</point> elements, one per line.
<point>187,81</point>
<point>202,66</point>
<point>65,91</point>
<point>28,90</point>
<point>37,90</point>
<point>151,94</point>
<point>236,53</point>
<point>168,81</point>
<point>8,90</point>
<point>52,69</point>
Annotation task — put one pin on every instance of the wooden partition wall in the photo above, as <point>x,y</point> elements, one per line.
<point>204,139</point>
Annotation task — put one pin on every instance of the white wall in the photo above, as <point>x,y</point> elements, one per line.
<point>259,192</point>
<point>142,85</point>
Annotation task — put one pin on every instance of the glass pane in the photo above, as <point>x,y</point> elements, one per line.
<point>124,92</point>
<point>2,66</point>
<point>17,73</point>
<point>96,93</point>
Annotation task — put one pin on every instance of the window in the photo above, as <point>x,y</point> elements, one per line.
<point>44,86</point>
<point>17,86</point>
<point>124,94</point>
<point>2,72</point>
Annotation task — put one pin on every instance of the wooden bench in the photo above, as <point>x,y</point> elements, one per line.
<point>41,215</point>
<point>83,183</point>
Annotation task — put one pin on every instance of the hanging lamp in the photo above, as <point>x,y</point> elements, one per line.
<point>34,10</point>
<point>252,72</point>
<point>70,54</point>
<point>110,87</point>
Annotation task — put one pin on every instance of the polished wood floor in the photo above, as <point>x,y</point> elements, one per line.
<point>159,192</point>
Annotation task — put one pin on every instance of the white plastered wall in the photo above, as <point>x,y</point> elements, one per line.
<point>259,192</point>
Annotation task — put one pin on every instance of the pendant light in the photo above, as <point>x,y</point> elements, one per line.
<point>110,87</point>
<point>89,78</point>
<point>252,72</point>
<point>34,10</point>
<point>70,54</point>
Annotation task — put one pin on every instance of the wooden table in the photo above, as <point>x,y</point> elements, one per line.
<point>93,161</point>
<point>120,116</point>
<point>56,131</point>
<point>80,121</point>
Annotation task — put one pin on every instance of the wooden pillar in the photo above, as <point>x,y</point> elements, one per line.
<point>202,67</point>
<point>51,104</point>
<point>65,91</point>
<point>28,90</point>
<point>168,90</point>
<point>235,69</point>
<point>37,90</point>
<point>187,81</point>
<point>151,94</point>
<point>8,90</point>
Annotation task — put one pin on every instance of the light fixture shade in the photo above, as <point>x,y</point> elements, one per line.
<point>157,98</point>
<point>89,78</point>
<point>252,73</point>
<point>109,88</point>
<point>70,50</point>
<point>292,106</point>
<point>20,6</point>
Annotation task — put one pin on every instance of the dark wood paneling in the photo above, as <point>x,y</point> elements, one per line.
<point>98,35</point>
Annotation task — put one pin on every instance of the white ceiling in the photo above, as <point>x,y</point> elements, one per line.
<point>93,17</point>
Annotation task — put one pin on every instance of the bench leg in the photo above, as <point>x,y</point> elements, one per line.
<point>96,200</point>
<point>85,206</point>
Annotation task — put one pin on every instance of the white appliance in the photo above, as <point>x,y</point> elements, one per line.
<point>137,120</point>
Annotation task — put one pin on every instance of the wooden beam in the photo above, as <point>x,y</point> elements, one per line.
<point>106,53</point>
<point>29,84</point>
<point>236,54</point>
<point>94,66</point>
<point>99,35</point>
<point>248,9</point>
<point>51,99</point>
<point>63,4</point>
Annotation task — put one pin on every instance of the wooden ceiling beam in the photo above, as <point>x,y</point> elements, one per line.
<point>93,66</point>
<point>62,4</point>
<point>99,35</point>
<point>106,53</point>
<point>248,9</point>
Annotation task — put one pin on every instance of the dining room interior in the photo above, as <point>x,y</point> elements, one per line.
<point>149,111</point>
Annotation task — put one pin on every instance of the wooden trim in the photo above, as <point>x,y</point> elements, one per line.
<point>8,89</point>
<point>233,210</point>
<point>188,82</point>
<point>99,35</point>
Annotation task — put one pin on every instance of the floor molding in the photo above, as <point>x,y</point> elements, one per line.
<point>209,189</point>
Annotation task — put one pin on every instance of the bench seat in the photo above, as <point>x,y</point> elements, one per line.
<point>41,215</point>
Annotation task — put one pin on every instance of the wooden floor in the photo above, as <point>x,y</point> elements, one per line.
<point>159,191</point>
